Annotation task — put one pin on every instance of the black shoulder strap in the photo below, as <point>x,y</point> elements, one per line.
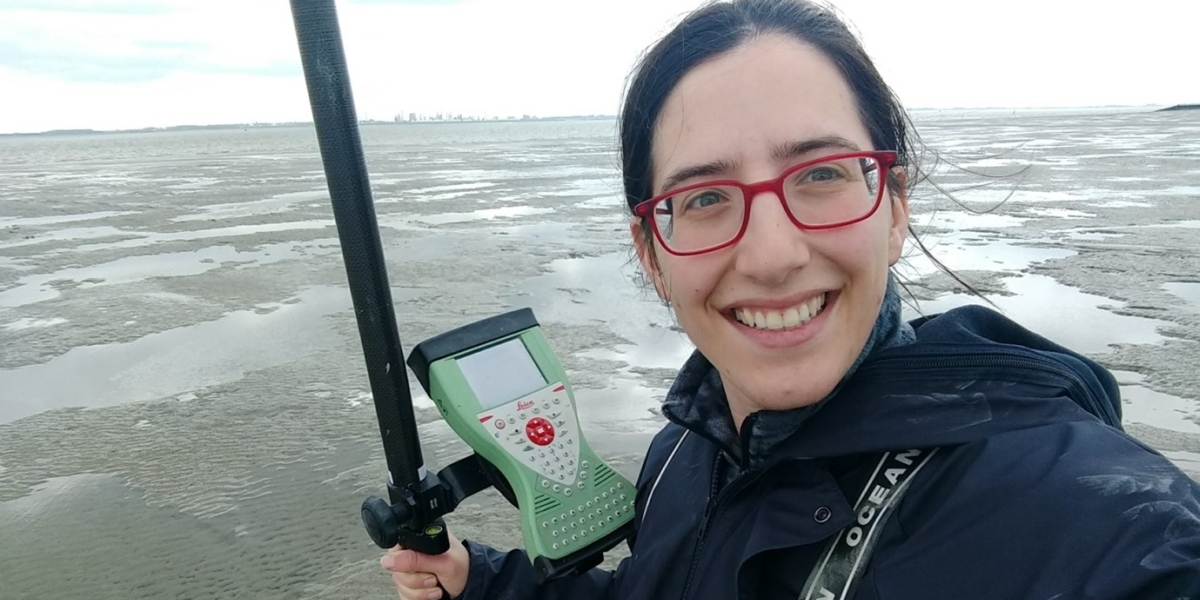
<point>845,557</point>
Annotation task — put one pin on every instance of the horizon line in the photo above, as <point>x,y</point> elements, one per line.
<point>472,119</point>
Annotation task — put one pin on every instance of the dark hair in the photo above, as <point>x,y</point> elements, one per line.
<point>722,26</point>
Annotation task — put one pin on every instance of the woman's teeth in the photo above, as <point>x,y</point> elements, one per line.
<point>784,319</point>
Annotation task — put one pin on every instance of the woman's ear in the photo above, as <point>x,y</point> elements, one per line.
<point>644,245</point>
<point>899,204</point>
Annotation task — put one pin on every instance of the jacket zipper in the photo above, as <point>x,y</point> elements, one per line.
<point>710,514</point>
<point>1076,385</point>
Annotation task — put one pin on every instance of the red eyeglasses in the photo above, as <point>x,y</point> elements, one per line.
<point>829,192</point>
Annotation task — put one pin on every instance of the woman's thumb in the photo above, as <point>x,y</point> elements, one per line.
<point>409,561</point>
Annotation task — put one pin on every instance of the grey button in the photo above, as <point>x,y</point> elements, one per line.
<point>822,514</point>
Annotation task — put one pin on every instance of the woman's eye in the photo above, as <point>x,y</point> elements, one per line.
<point>703,199</point>
<point>820,174</point>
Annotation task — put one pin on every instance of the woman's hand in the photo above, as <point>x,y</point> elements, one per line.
<point>418,576</point>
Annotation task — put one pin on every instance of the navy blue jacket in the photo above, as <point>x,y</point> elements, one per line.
<point>1030,495</point>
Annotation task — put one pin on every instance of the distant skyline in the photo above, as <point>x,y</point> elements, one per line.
<point>73,64</point>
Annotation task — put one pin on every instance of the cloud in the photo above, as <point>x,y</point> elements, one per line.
<point>137,42</point>
<point>90,7</point>
<point>137,63</point>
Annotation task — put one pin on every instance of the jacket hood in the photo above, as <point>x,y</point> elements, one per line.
<point>971,373</point>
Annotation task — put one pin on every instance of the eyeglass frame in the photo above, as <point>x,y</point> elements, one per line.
<point>886,159</point>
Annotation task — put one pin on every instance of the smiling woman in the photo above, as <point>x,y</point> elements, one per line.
<point>818,445</point>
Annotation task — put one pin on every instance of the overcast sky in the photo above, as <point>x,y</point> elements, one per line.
<point>67,64</point>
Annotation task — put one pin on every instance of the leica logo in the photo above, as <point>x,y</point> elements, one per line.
<point>524,404</point>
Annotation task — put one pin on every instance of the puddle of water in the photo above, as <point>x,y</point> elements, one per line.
<point>28,323</point>
<point>1178,190</point>
<point>1062,213</point>
<point>964,251</point>
<point>1170,225</point>
<point>613,203</point>
<point>453,187</point>
<point>178,360</point>
<point>145,239</point>
<point>37,288</point>
<point>16,264</point>
<point>20,221</point>
<point>1123,204</point>
<point>1188,462</point>
<point>193,183</point>
<point>239,210</point>
<point>965,220</point>
<point>1062,313</point>
<point>1187,291</point>
<point>1141,404</point>
<point>1083,235</point>
<point>486,214</point>
<point>985,163</point>
<point>993,197</point>
<point>74,233</point>
<point>585,187</point>
<point>609,281</point>
<point>1144,405</point>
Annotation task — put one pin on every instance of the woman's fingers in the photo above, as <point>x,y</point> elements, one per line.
<point>416,593</point>
<point>411,580</point>
<point>424,576</point>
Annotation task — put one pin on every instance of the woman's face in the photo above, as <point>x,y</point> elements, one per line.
<point>736,113</point>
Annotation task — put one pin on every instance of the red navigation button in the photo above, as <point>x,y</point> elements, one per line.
<point>539,431</point>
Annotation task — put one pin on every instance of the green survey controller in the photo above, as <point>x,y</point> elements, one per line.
<point>503,391</point>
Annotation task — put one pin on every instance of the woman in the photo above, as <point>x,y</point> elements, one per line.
<point>1020,483</point>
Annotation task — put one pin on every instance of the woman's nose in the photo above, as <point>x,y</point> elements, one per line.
<point>772,246</point>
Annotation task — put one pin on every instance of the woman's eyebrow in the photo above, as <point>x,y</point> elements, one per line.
<point>781,153</point>
<point>716,167</point>
<point>792,150</point>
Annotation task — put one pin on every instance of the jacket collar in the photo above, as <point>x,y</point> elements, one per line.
<point>697,399</point>
<point>971,373</point>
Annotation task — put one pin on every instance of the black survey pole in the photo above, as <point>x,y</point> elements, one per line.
<point>354,211</point>
<point>418,498</point>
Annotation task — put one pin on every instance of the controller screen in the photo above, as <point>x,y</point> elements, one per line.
<point>502,373</point>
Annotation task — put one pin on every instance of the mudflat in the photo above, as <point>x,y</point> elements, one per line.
<point>183,407</point>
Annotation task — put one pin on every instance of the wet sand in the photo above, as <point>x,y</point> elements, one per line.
<point>183,408</point>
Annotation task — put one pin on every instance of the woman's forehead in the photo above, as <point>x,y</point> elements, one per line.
<point>745,105</point>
